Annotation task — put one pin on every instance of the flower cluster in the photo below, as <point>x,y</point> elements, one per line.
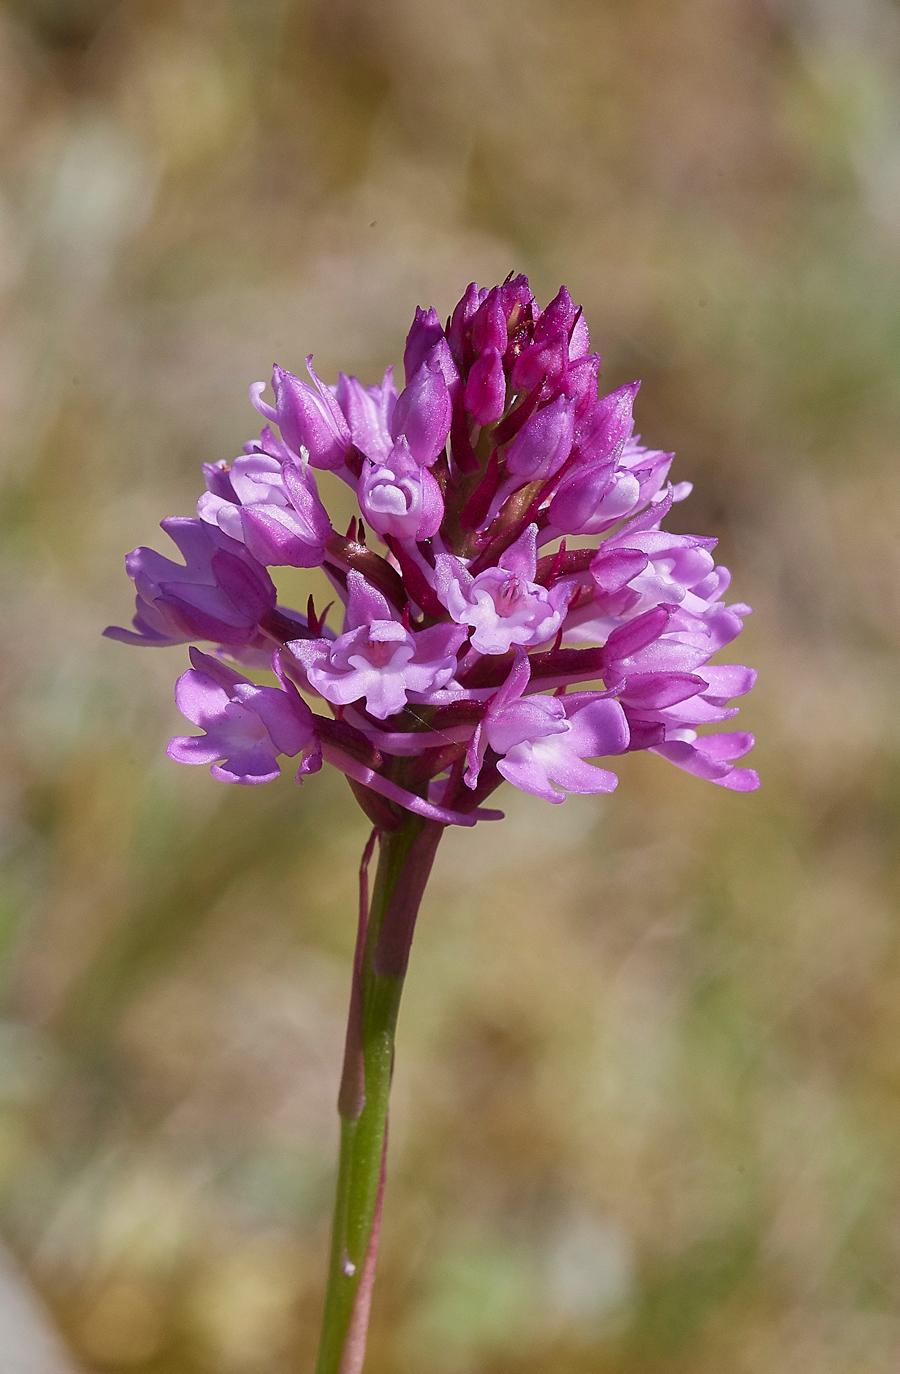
<point>464,630</point>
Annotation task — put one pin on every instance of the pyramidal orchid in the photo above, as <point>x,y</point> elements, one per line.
<point>473,646</point>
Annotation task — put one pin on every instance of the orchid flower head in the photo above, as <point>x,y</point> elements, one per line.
<point>509,603</point>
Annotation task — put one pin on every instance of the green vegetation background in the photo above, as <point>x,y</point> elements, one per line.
<point>647,1116</point>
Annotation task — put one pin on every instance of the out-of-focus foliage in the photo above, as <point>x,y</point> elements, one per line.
<point>647,1111</point>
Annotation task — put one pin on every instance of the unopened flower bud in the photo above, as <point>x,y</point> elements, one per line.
<point>426,331</point>
<point>485,393</point>
<point>543,443</point>
<point>489,324</point>
<point>310,419</point>
<point>423,412</point>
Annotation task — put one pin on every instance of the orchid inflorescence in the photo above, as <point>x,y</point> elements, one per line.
<point>475,645</point>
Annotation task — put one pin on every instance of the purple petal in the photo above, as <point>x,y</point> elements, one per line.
<point>426,331</point>
<point>463,313</point>
<point>558,318</point>
<point>543,443</point>
<point>365,417</point>
<point>521,557</point>
<point>597,729</point>
<point>304,496</point>
<point>577,507</point>
<point>579,339</point>
<point>692,760</point>
<point>250,589</point>
<point>489,324</point>
<point>279,537</point>
<point>739,780</point>
<point>664,656</point>
<point>199,624</point>
<point>218,482</point>
<point>285,715</point>
<point>528,719</point>
<point>601,434</point>
<point>524,771</point>
<point>485,393</point>
<point>575,775</point>
<point>656,690</point>
<point>545,359</point>
<point>200,699</point>
<point>613,569</point>
<point>310,419</point>
<point>192,538</point>
<point>194,749</point>
<point>733,744</point>
<point>636,634</point>
<point>144,634</point>
<point>516,682</point>
<point>423,413</point>
<point>439,642</point>
<point>253,767</point>
<point>727,680</point>
<point>364,604</point>
<point>216,669</point>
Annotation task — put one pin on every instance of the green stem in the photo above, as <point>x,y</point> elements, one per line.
<point>385,933</point>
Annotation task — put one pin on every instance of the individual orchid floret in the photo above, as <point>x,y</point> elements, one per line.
<point>651,468</point>
<point>539,362</point>
<point>712,757</point>
<point>580,383</point>
<point>648,644</point>
<point>561,317</point>
<point>590,500</point>
<point>440,356</point>
<point>559,337</point>
<point>220,592</point>
<point>459,333</point>
<point>485,393</point>
<point>368,411</point>
<point>377,659</point>
<point>519,305</point>
<point>274,510</point>
<point>246,727</point>
<point>543,443</point>
<point>489,330</point>
<point>596,492</point>
<point>659,705</point>
<point>603,429</point>
<point>595,496</point>
<point>544,741</point>
<point>400,498</point>
<point>309,417</point>
<point>657,664</point>
<point>663,708</point>
<point>675,564</point>
<point>641,567</point>
<point>424,410</point>
<point>503,605</point>
<point>425,333</point>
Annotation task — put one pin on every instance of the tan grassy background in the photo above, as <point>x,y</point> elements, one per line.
<point>647,1115</point>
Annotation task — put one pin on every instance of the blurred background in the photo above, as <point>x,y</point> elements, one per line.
<point>647,1116</point>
